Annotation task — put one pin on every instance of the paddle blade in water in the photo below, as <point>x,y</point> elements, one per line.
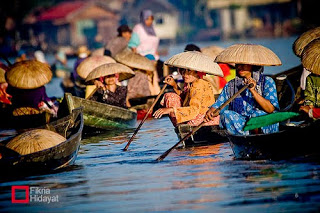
<point>265,120</point>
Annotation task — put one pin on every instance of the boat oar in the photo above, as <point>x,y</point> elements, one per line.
<point>145,117</point>
<point>165,154</point>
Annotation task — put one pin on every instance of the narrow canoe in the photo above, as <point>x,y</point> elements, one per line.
<point>291,141</point>
<point>100,115</point>
<point>207,135</point>
<point>54,158</point>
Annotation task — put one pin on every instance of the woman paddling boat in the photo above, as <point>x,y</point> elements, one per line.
<point>189,105</point>
<point>259,100</point>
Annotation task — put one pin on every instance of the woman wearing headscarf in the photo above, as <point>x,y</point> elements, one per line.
<point>258,100</point>
<point>144,39</point>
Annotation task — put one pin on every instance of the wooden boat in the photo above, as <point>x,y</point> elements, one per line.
<point>53,158</point>
<point>207,135</point>
<point>291,141</point>
<point>100,115</point>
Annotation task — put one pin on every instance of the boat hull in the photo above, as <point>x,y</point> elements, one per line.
<point>102,116</point>
<point>207,135</point>
<point>289,143</point>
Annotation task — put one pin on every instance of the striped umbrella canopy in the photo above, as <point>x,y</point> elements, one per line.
<point>29,74</point>
<point>304,39</point>
<point>109,69</point>
<point>311,57</point>
<point>194,60</point>
<point>90,63</point>
<point>253,54</point>
<point>135,60</point>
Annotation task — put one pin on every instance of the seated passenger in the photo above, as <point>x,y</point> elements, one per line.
<point>26,81</point>
<point>109,92</point>
<point>310,60</point>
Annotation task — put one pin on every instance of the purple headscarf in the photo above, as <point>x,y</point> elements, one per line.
<point>145,14</point>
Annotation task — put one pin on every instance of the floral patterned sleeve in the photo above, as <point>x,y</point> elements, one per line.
<point>309,92</point>
<point>190,112</point>
<point>223,97</point>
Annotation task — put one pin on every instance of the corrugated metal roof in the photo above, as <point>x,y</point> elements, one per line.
<point>61,10</point>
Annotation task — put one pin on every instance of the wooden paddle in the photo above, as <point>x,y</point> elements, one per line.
<point>198,127</point>
<point>145,117</point>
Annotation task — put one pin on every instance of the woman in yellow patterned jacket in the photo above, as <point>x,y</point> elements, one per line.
<point>190,104</point>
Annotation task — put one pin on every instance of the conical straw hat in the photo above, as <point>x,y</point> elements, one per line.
<point>2,75</point>
<point>303,40</point>
<point>195,60</point>
<point>117,45</point>
<point>253,54</point>
<point>98,52</point>
<point>134,60</point>
<point>311,57</point>
<point>109,69</point>
<point>34,141</point>
<point>28,74</point>
<point>88,64</point>
<point>212,51</point>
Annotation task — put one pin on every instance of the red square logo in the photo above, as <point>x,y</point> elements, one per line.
<point>13,194</point>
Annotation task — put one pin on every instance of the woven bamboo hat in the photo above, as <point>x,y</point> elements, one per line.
<point>253,54</point>
<point>2,75</point>
<point>195,60</point>
<point>134,60</point>
<point>88,64</point>
<point>311,57</point>
<point>117,45</point>
<point>29,74</point>
<point>109,69</point>
<point>212,51</point>
<point>99,52</point>
<point>304,39</point>
<point>34,141</point>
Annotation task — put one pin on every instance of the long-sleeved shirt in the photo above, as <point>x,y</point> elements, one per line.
<point>200,98</point>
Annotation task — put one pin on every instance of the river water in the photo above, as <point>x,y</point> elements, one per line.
<point>202,179</point>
